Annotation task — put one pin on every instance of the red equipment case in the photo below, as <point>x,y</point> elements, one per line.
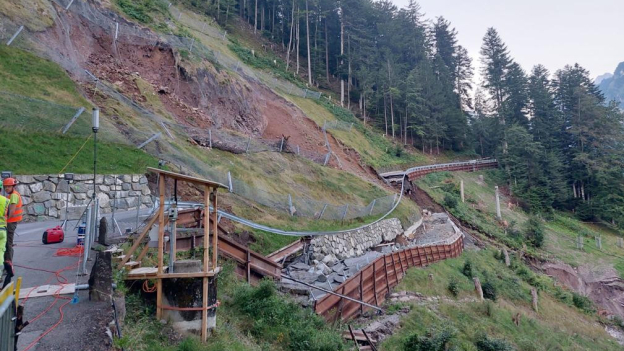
<point>53,235</point>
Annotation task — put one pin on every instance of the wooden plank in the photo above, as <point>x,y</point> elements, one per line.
<point>375,282</point>
<point>187,275</point>
<point>47,290</point>
<point>215,230</point>
<point>138,241</point>
<point>368,339</point>
<point>161,238</point>
<point>396,275</point>
<point>186,178</point>
<point>361,291</point>
<point>357,346</point>
<point>248,268</point>
<point>386,274</point>
<point>204,321</point>
<point>143,252</point>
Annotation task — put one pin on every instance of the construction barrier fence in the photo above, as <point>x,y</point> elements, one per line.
<point>374,282</point>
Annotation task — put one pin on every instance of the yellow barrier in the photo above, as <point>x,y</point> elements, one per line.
<point>12,289</point>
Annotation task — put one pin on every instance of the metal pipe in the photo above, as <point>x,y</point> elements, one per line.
<point>334,293</point>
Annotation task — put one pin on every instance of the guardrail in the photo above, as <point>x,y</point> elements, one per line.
<point>373,283</point>
<point>418,171</point>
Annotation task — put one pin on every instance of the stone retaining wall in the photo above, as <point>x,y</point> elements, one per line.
<point>47,196</point>
<point>355,243</point>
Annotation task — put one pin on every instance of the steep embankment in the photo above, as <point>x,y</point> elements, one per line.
<point>598,270</point>
<point>148,82</point>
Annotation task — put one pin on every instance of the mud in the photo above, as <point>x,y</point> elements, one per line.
<point>601,284</point>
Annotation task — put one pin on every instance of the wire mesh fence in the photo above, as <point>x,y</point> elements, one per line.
<point>338,125</point>
<point>160,135</point>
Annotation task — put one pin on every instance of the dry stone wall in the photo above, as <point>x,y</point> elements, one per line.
<point>48,196</point>
<point>355,243</point>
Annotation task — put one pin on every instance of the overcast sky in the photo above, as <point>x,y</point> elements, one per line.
<point>551,32</point>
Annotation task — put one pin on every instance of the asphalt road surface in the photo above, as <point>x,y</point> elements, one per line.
<point>79,325</point>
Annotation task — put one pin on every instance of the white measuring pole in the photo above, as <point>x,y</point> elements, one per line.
<point>15,35</point>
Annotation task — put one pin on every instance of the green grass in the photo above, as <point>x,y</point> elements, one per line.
<point>249,318</point>
<point>42,153</point>
<point>26,74</point>
<point>561,229</point>
<point>470,319</point>
<point>144,11</point>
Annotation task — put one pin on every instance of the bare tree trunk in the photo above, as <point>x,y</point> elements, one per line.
<point>241,8</point>
<point>262,20</point>
<point>298,37</point>
<point>385,114</point>
<point>218,9</point>
<point>308,42</point>
<point>391,102</point>
<point>315,64</point>
<point>326,53</point>
<point>273,20</point>
<point>292,24</point>
<point>349,72</point>
<point>256,18</point>
<point>342,82</point>
<point>227,13</point>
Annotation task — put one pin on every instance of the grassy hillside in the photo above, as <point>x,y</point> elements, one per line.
<point>561,229</point>
<point>37,98</point>
<point>564,321</point>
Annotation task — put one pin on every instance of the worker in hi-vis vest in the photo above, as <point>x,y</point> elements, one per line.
<point>4,208</point>
<point>14,216</point>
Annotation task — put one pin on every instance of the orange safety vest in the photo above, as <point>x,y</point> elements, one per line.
<point>17,214</point>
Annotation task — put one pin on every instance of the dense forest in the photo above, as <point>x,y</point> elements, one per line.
<point>559,141</point>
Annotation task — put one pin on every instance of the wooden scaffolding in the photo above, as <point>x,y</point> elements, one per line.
<point>210,249</point>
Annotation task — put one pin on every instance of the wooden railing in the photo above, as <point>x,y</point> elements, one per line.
<point>373,283</point>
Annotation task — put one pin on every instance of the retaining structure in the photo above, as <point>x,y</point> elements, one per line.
<point>373,283</point>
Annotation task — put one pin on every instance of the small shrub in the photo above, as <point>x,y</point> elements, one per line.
<point>467,270</point>
<point>489,309</point>
<point>535,232</point>
<point>434,340</point>
<point>453,287</point>
<point>489,290</point>
<point>450,201</point>
<point>485,343</point>
<point>582,302</point>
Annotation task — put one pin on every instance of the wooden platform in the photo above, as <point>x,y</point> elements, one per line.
<point>142,273</point>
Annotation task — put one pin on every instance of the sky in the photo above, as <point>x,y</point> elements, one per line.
<point>549,32</point>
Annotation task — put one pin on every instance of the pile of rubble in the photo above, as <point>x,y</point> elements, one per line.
<point>329,271</point>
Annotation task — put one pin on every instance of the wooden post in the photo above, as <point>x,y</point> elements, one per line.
<point>161,238</point>
<point>215,230</point>
<point>248,268</point>
<point>506,255</point>
<point>204,322</point>
<point>386,271</point>
<point>361,291</point>
<point>534,298</point>
<point>498,209</point>
<point>461,190</point>
<point>375,282</point>
<point>477,284</point>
